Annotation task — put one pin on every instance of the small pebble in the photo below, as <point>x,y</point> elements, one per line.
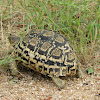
<point>97,94</point>
<point>77,87</point>
<point>85,83</point>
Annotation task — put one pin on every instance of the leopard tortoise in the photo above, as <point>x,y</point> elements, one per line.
<point>47,52</point>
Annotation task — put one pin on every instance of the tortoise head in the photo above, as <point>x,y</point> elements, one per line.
<point>14,39</point>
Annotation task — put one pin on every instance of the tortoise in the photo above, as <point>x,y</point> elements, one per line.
<point>48,53</point>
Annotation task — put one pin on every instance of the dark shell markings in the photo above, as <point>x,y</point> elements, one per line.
<point>49,53</point>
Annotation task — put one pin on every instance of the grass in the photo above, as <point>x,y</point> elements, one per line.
<point>79,20</point>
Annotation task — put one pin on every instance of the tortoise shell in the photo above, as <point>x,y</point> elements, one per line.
<point>47,52</point>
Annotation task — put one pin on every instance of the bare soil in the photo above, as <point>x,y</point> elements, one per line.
<point>37,87</point>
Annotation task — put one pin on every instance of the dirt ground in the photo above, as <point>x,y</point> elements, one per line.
<point>37,87</point>
<point>34,86</point>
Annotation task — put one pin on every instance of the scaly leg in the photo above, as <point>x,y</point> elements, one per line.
<point>59,82</point>
<point>80,73</point>
<point>13,68</point>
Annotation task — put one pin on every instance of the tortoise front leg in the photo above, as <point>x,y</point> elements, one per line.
<point>59,82</point>
<point>13,68</point>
